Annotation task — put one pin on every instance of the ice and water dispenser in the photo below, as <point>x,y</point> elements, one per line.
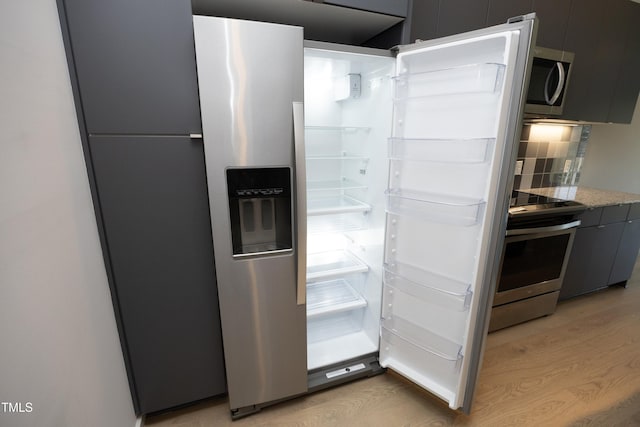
<point>260,209</point>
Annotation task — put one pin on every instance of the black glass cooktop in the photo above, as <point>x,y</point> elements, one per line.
<point>527,203</point>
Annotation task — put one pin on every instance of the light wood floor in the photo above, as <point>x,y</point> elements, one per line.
<point>577,367</point>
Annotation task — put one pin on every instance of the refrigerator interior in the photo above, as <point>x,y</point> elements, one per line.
<point>444,157</point>
<point>347,124</point>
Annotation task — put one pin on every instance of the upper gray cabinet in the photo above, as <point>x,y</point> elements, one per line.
<point>458,16</point>
<point>135,65</point>
<point>628,82</point>
<point>604,35</point>
<point>553,18</point>
<point>440,18</point>
<point>501,10</point>
<point>596,34</point>
<point>424,20</point>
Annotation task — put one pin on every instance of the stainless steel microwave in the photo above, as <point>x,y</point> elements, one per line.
<point>548,82</point>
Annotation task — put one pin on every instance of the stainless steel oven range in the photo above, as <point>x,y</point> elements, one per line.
<point>538,242</point>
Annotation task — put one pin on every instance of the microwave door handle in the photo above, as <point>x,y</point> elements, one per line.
<point>538,230</point>
<point>301,202</point>
<point>556,94</point>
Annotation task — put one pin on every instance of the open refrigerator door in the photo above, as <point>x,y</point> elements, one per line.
<point>456,110</point>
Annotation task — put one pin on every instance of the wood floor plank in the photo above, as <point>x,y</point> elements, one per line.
<point>577,367</point>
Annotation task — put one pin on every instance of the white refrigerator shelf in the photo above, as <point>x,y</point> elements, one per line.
<point>434,207</point>
<point>397,330</point>
<point>338,184</point>
<point>430,287</point>
<point>466,79</point>
<point>333,205</point>
<point>325,265</point>
<point>336,223</point>
<point>338,128</point>
<point>332,296</point>
<point>469,150</point>
<point>339,157</point>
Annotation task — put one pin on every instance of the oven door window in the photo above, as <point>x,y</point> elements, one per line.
<point>532,260</point>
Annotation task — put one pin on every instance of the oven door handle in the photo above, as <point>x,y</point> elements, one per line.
<point>538,230</point>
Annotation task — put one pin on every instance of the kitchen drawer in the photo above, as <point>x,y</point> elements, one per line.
<point>611,214</point>
<point>634,211</point>
<point>590,217</point>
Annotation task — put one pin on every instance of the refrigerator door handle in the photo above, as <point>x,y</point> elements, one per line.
<point>301,202</point>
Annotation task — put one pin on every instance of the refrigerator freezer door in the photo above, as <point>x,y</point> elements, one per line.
<point>457,115</point>
<point>250,75</point>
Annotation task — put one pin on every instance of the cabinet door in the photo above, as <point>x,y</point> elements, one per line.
<point>458,16</point>
<point>615,213</point>
<point>594,35</point>
<point>153,198</point>
<point>628,83</point>
<point>592,257</point>
<point>424,20</point>
<point>607,243</point>
<point>553,18</point>
<point>576,278</point>
<point>501,10</point>
<point>590,217</point>
<point>627,253</point>
<point>135,64</point>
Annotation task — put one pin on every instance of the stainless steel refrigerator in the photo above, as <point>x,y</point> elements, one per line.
<point>361,200</point>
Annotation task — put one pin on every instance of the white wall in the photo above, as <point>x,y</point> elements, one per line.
<point>59,346</point>
<point>612,161</point>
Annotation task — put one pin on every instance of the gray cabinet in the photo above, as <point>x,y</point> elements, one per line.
<point>596,250</point>
<point>424,20</point>
<point>135,63</point>
<point>458,16</point>
<point>628,249</point>
<point>501,10</point>
<point>604,36</point>
<point>438,18</point>
<point>553,18</point>
<point>627,84</point>
<point>596,33</point>
<point>577,278</point>
<point>132,69</point>
<point>154,205</point>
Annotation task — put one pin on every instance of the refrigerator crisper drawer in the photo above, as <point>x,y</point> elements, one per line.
<point>428,359</point>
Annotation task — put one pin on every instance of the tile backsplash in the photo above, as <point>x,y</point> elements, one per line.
<point>550,155</point>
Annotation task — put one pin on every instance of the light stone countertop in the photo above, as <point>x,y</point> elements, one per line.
<point>591,197</point>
